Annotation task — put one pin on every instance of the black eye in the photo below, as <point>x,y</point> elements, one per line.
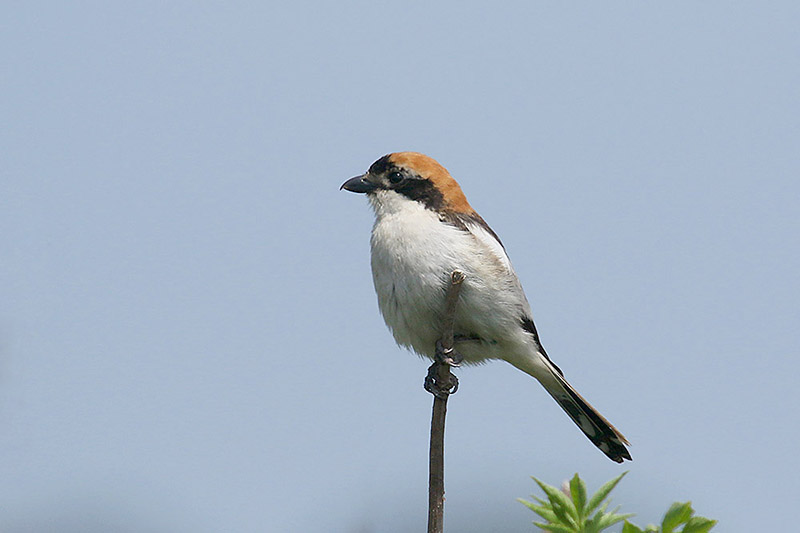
<point>395,177</point>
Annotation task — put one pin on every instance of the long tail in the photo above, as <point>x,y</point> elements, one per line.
<point>594,425</point>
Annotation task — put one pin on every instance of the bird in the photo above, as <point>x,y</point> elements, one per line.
<point>424,230</point>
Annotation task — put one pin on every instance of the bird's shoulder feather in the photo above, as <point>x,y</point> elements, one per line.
<point>475,225</point>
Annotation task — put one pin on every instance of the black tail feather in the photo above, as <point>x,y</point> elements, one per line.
<point>599,430</point>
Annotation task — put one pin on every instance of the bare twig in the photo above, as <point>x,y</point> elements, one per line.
<point>456,279</point>
<point>439,383</point>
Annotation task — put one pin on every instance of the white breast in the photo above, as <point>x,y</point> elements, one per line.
<point>413,254</point>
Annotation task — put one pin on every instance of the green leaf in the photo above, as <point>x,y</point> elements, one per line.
<point>699,524</point>
<point>601,521</point>
<point>677,514</point>
<point>563,516</point>
<point>530,505</point>
<point>562,505</point>
<point>555,528</point>
<point>602,493</point>
<point>612,518</point>
<point>548,515</point>
<point>591,525</point>
<point>577,489</point>
<point>630,528</point>
<point>542,510</point>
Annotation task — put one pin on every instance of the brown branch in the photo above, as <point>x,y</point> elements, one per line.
<point>439,383</point>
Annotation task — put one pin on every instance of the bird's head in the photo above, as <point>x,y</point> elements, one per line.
<point>411,176</point>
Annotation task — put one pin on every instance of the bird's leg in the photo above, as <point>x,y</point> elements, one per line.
<point>440,381</point>
<point>448,355</point>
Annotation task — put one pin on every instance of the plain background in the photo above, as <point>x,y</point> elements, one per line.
<point>189,339</point>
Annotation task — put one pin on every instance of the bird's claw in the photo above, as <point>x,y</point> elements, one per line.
<point>434,384</point>
<point>448,356</point>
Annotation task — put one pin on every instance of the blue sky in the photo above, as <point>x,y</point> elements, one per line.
<point>189,338</point>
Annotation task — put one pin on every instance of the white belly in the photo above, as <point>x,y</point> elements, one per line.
<point>413,256</point>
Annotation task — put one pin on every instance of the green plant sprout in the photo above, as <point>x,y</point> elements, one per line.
<point>568,510</point>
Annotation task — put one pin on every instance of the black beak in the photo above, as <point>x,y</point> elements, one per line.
<point>358,184</point>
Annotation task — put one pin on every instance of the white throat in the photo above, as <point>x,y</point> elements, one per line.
<point>388,203</point>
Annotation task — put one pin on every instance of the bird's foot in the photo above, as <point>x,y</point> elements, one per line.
<point>448,356</point>
<point>441,386</point>
<point>440,381</point>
